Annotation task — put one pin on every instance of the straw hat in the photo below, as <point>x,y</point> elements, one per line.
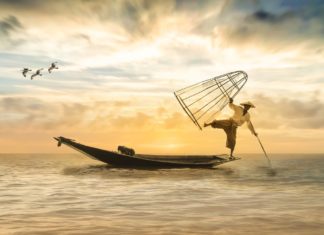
<point>248,103</point>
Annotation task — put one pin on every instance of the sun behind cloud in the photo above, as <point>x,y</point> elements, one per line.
<point>121,61</point>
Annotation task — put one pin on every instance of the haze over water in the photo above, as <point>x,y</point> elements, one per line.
<point>71,194</point>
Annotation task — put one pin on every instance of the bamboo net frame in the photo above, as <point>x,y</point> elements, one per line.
<point>204,100</point>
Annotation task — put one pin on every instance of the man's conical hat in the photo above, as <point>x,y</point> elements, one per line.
<point>248,103</point>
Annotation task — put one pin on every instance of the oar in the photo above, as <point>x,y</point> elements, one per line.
<point>265,153</point>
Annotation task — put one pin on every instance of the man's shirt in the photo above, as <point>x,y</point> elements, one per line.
<point>239,118</point>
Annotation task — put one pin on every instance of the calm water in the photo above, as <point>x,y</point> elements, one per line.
<point>70,194</point>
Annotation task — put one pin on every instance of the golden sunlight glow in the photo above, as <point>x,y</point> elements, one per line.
<point>119,67</point>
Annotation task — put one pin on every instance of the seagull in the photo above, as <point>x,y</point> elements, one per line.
<point>38,72</point>
<point>25,71</point>
<point>53,66</point>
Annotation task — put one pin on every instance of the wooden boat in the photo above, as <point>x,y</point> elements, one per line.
<point>146,160</point>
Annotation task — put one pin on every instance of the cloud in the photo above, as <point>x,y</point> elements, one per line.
<point>138,120</point>
<point>276,31</point>
<point>29,112</point>
<point>137,17</point>
<point>289,113</point>
<point>8,26</point>
<point>38,115</point>
<point>176,121</point>
<point>268,17</point>
<point>21,3</point>
<point>128,31</point>
<point>83,37</point>
<point>126,57</point>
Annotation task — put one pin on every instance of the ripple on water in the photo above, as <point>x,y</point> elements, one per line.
<point>73,195</point>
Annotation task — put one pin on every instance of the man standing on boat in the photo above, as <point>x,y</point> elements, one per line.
<point>230,125</point>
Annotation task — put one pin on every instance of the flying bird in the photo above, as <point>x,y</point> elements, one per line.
<point>38,73</point>
<point>53,66</point>
<point>25,71</point>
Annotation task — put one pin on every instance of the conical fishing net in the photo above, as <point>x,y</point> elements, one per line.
<point>204,100</point>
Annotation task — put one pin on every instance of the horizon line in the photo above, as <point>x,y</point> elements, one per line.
<point>161,154</point>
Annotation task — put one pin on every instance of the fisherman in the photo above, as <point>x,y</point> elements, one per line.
<point>230,125</point>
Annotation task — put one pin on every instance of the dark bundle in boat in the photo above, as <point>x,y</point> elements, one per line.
<point>126,150</point>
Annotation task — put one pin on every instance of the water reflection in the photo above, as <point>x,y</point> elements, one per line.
<point>74,195</point>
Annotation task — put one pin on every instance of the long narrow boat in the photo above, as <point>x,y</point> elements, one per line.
<point>146,160</point>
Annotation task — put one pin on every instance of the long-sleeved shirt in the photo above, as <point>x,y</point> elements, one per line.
<point>239,118</point>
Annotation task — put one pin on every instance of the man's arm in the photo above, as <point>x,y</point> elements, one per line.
<point>230,104</point>
<point>233,106</point>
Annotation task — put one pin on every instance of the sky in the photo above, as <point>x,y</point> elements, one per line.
<point>121,60</point>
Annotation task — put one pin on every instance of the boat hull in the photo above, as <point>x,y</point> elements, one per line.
<point>144,160</point>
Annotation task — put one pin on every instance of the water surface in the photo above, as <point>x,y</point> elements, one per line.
<point>71,194</point>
